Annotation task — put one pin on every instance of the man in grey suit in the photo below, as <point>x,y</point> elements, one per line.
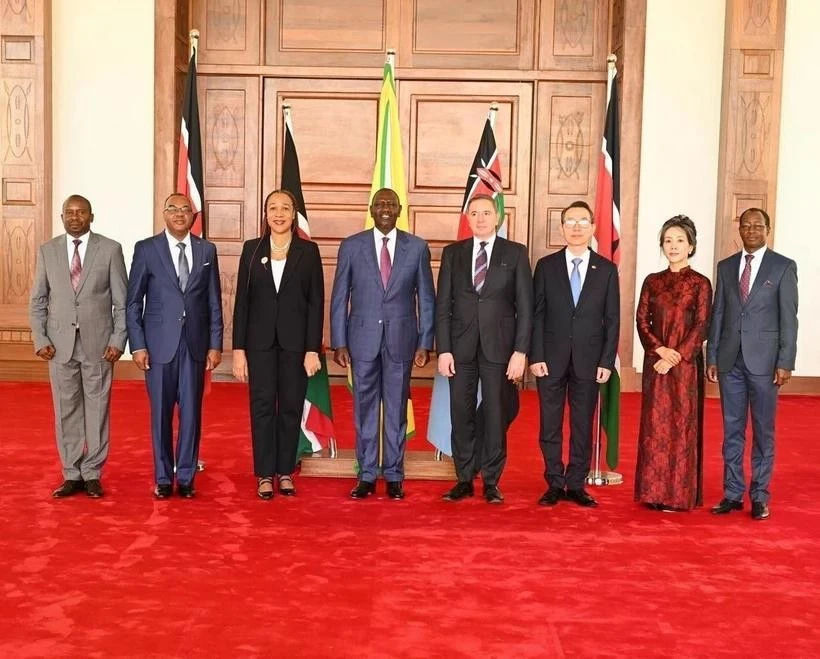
<point>751,353</point>
<point>383,277</point>
<point>78,325</point>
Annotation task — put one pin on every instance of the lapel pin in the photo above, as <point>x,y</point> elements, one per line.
<point>593,267</point>
<point>264,260</point>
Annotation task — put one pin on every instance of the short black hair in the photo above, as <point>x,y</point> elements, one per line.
<point>763,214</point>
<point>579,204</point>
<point>78,197</point>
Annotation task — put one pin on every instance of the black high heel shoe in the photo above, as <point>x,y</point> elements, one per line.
<point>264,494</point>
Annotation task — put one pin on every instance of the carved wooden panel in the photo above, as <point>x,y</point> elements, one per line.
<point>750,115</point>
<point>445,120</point>
<point>25,157</point>
<point>567,141</point>
<point>229,117</point>
<point>229,30</point>
<point>468,34</point>
<point>321,33</point>
<point>334,124</point>
<point>573,35</point>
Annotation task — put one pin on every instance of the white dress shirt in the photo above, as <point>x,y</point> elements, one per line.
<point>82,247</point>
<point>189,254</point>
<point>391,244</point>
<point>487,248</point>
<point>582,266</point>
<point>756,261</point>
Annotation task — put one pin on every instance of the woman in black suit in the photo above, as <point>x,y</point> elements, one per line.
<point>277,335</point>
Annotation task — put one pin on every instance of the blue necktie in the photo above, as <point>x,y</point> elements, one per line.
<point>575,281</point>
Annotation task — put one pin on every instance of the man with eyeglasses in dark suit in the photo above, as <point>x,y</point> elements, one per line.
<point>574,343</point>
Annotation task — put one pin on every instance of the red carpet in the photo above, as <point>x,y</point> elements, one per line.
<point>321,575</point>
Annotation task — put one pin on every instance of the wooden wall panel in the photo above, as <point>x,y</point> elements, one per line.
<point>321,33</point>
<point>229,116</point>
<point>468,34</point>
<point>750,115</point>
<point>334,124</point>
<point>567,140</point>
<point>25,162</point>
<point>229,29</point>
<point>445,121</point>
<point>573,35</point>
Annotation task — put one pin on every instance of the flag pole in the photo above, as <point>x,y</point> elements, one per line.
<point>596,476</point>
<point>287,124</point>
<point>193,50</point>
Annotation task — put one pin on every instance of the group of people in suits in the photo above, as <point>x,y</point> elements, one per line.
<point>84,307</point>
<point>488,316</point>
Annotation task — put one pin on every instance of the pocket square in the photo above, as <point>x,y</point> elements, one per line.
<point>206,263</point>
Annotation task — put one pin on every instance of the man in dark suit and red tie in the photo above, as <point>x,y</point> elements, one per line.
<point>174,320</point>
<point>574,343</point>
<point>483,327</point>
<point>381,323</point>
<point>751,352</point>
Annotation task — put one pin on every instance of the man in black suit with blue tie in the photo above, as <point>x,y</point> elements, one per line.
<point>574,343</point>
<point>174,318</point>
<point>751,353</point>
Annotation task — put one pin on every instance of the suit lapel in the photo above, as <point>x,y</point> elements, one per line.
<point>399,257</point>
<point>563,278</point>
<point>369,247</point>
<point>466,256</point>
<point>294,253</point>
<point>198,255</point>
<point>493,267</point>
<point>592,274</point>
<point>62,259</point>
<point>761,277</point>
<point>164,254</point>
<point>90,253</point>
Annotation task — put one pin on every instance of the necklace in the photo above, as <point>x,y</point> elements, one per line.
<point>279,250</point>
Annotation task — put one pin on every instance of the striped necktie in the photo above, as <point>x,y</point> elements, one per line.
<point>480,267</point>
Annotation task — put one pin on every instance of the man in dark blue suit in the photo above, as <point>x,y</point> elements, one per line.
<point>383,277</point>
<point>751,353</point>
<point>174,320</point>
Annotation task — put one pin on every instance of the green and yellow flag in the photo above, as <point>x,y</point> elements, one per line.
<point>389,171</point>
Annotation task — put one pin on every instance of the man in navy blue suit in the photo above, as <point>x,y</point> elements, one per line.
<point>383,276</point>
<point>751,353</point>
<point>174,320</point>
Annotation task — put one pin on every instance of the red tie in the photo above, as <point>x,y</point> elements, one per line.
<point>746,278</point>
<point>76,269</point>
<point>384,263</point>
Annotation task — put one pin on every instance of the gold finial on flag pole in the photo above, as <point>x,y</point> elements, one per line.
<point>193,42</point>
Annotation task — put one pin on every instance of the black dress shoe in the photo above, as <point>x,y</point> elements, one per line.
<point>67,489</point>
<point>163,490</point>
<point>582,498</point>
<point>186,490</point>
<point>363,490</point>
<point>726,506</point>
<point>492,494</point>
<point>394,490</point>
<point>552,496</point>
<point>760,510</point>
<point>93,488</point>
<point>461,490</point>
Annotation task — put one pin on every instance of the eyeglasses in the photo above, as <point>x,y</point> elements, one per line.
<point>178,209</point>
<point>578,223</point>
